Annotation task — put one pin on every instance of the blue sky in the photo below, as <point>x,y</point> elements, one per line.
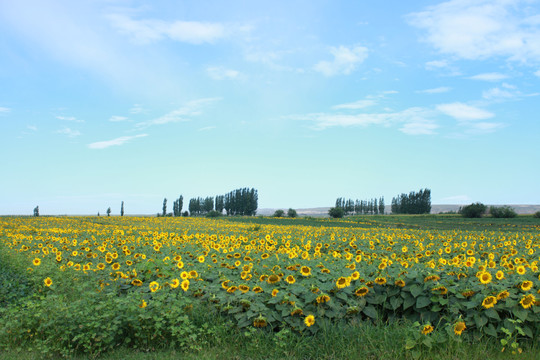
<point>116,100</point>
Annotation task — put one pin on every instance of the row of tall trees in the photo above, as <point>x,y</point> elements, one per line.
<point>361,207</point>
<point>413,203</point>
<point>241,202</point>
<point>237,202</point>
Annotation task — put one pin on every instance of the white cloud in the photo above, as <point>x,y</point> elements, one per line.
<point>136,109</point>
<point>69,118</point>
<point>481,29</point>
<point>360,104</point>
<point>415,120</point>
<point>114,142</point>
<point>489,77</point>
<point>69,132</point>
<point>206,128</point>
<point>345,60</point>
<point>146,31</point>
<point>537,73</point>
<point>498,94</point>
<point>464,112</point>
<point>436,64</point>
<point>31,127</point>
<point>115,118</point>
<point>425,127</point>
<point>438,90</point>
<point>192,108</point>
<point>483,127</point>
<point>4,110</point>
<point>221,73</point>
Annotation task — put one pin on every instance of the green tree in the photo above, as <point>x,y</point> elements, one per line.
<point>279,213</point>
<point>502,212</point>
<point>164,213</point>
<point>292,213</point>
<point>475,210</point>
<point>109,212</point>
<point>36,211</point>
<point>336,212</point>
<point>122,209</point>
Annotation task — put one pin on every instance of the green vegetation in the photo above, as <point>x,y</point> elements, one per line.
<point>475,210</point>
<point>502,212</point>
<point>336,212</point>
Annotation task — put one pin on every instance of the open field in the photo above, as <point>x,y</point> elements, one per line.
<point>296,288</point>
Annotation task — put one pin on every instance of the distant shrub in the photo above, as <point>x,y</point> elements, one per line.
<point>185,213</point>
<point>474,210</point>
<point>292,213</point>
<point>279,213</point>
<point>537,214</point>
<point>213,214</point>
<point>336,212</point>
<point>502,212</point>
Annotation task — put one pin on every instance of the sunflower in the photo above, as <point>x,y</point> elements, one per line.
<point>305,271</point>
<point>526,285</point>
<point>243,288</point>
<point>272,279</point>
<point>503,295</point>
<point>184,275</point>
<point>459,327</point>
<point>380,280</point>
<point>468,293</point>
<point>355,275</point>
<point>527,301</point>
<point>180,264</point>
<point>427,329</point>
<point>499,275</point>
<point>342,282</point>
<point>521,270</point>
<point>143,304</point>
<point>48,282</point>
<point>136,282</point>
<point>363,291</point>
<point>432,278</point>
<point>115,266</point>
<point>257,289</point>
<point>297,311</point>
<point>323,298</point>
<point>232,289</point>
<point>175,283</point>
<point>201,259</point>
<point>400,283</point>
<point>309,320</point>
<point>36,262</point>
<point>440,289</point>
<point>290,279</point>
<point>154,286</point>
<point>185,285</point>
<point>485,277</point>
<point>274,292</point>
<point>260,321</point>
<point>489,302</point>
<point>193,274</point>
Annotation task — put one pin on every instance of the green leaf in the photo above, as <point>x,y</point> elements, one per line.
<point>371,312</point>
<point>416,290</point>
<point>480,320</point>
<point>520,313</point>
<point>422,302</point>
<point>490,330</point>
<point>396,302</point>
<point>408,302</point>
<point>492,313</point>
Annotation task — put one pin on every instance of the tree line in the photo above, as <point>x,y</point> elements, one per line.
<point>242,201</point>
<point>361,207</point>
<point>413,203</point>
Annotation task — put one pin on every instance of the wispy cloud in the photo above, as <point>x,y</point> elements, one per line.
<point>420,127</point>
<point>360,104</point>
<point>69,132</point>
<point>489,77</point>
<point>4,110</point>
<point>438,90</point>
<point>136,109</point>
<point>464,112</point>
<point>115,118</point>
<point>32,127</point>
<point>114,142</point>
<point>481,29</point>
<point>151,30</point>
<point>537,73</point>
<point>345,60</point>
<point>221,73</point>
<point>69,118</point>
<point>207,128</point>
<point>436,64</point>
<point>185,113</point>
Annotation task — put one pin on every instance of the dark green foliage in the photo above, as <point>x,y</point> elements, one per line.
<point>279,213</point>
<point>537,215</point>
<point>213,214</point>
<point>177,206</point>
<point>502,212</point>
<point>164,207</point>
<point>475,210</point>
<point>109,212</point>
<point>220,203</point>
<point>292,213</point>
<point>361,207</point>
<point>414,203</point>
<point>336,212</point>
<point>122,209</point>
<point>36,211</point>
<point>241,202</point>
<point>185,213</point>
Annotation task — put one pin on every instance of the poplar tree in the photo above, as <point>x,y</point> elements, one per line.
<point>122,209</point>
<point>164,213</point>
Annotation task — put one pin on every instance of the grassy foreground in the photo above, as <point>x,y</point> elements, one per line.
<point>122,321</point>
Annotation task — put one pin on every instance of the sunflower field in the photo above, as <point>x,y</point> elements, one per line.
<point>93,283</point>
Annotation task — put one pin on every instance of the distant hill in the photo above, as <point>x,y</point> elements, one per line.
<point>435,209</point>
